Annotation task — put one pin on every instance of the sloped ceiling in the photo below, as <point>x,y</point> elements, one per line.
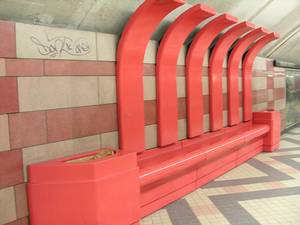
<point>110,16</point>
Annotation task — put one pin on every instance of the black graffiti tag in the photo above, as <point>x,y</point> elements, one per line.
<point>59,45</point>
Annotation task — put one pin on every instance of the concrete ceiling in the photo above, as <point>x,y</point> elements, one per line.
<point>110,16</point>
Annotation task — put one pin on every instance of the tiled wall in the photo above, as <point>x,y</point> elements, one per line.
<point>58,97</point>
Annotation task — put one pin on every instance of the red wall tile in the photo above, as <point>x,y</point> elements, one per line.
<point>149,69</point>
<point>279,93</point>
<point>65,124</point>
<point>59,124</point>
<point>24,67</point>
<point>8,95</point>
<point>21,200</point>
<point>11,168</point>
<point>73,68</point>
<point>150,112</point>
<point>27,129</point>
<point>270,82</point>
<point>181,108</point>
<point>260,96</point>
<point>8,39</point>
<point>23,221</point>
<point>108,116</point>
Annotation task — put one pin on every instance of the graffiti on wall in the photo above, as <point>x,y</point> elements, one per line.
<point>61,45</point>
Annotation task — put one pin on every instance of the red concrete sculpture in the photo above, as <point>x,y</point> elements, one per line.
<point>234,61</point>
<point>194,61</point>
<point>167,56</point>
<point>130,58</point>
<point>247,72</point>
<point>216,70</point>
<point>122,188</point>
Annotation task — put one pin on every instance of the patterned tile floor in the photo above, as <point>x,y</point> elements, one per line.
<point>264,190</point>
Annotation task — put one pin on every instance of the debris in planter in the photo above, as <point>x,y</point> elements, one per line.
<point>102,154</point>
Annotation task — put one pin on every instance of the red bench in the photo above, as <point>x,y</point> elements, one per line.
<point>121,189</point>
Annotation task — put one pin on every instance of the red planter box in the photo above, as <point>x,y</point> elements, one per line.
<point>96,192</point>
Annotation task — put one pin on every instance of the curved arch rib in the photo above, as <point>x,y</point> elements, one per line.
<point>247,72</point>
<point>194,62</point>
<point>233,72</point>
<point>215,72</point>
<point>130,56</point>
<point>167,56</point>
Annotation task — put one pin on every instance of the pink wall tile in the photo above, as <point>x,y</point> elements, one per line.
<point>21,200</point>
<point>149,69</point>
<point>8,95</point>
<point>59,124</point>
<point>150,112</point>
<point>8,39</point>
<point>27,129</point>
<point>279,93</point>
<point>70,123</point>
<point>11,168</point>
<point>24,67</point>
<point>72,68</point>
<point>22,221</point>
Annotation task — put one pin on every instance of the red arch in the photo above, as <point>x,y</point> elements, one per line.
<point>215,72</point>
<point>233,72</point>
<point>130,56</point>
<point>194,62</point>
<point>247,72</point>
<point>167,56</point>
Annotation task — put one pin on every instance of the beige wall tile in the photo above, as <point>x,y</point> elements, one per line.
<point>270,95</point>
<point>182,129</point>
<point>2,67</point>
<point>59,149</point>
<point>206,59</point>
<point>107,46</point>
<point>260,63</point>
<point>110,140</point>
<point>47,42</point>
<point>151,136</point>
<point>39,93</point>
<point>180,87</point>
<point>206,126</point>
<point>259,83</point>
<point>4,133</point>
<point>260,107</point>
<point>279,82</point>
<point>225,62</point>
<point>107,89</point>
<point>7,205</point>
<point>181,57</point>
<point>151,51</point>
<point>149,87</point>
<point>279,104</point>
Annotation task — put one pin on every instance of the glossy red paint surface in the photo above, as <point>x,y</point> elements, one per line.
<point>167,56</point>
<point>215,72</point>
<point>234,61</point>
<point>194,62</point>
<point>86,193</point>
<point>130,57</point>
<point>247,72</point>
<point>123,188</point>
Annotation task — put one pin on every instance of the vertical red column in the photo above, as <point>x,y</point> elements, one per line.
<point>233,73</point>
<point>167,56</point>
<point>216,69</point>
<point>247,72</point>
<point>194,63</point>
<point>130,57</point>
